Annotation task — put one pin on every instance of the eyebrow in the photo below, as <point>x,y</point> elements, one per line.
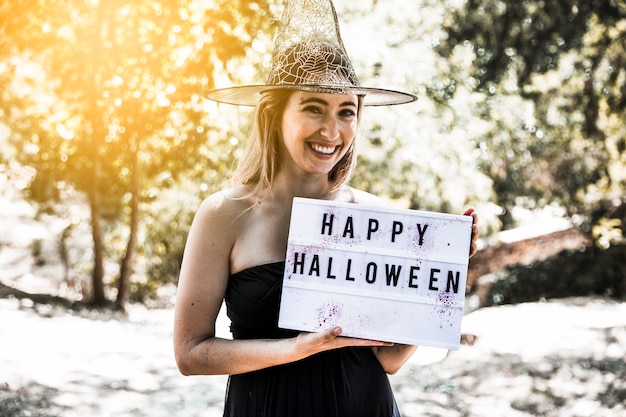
<point>324,102</point>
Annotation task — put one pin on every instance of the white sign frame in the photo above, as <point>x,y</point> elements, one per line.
<point>380,273</point>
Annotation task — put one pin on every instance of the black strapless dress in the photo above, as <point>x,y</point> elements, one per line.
<point>339,383</point>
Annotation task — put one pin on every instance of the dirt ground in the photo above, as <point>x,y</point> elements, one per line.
<point>561,358</point>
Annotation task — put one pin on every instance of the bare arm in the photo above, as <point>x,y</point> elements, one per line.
<point>202,285</point>
<point>391,358</point>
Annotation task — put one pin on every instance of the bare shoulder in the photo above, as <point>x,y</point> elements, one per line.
<point>216,227</point>
<point>229,203</point>
<point>219,221</point>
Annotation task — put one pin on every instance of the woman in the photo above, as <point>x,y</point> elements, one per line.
<point>239,236</point>
<point>303,145</point>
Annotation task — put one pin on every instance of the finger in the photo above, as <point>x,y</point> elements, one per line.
<point>317,341</point>
<point>472,212</point>
<point>353,341</point>
<point>475,232</point>
<point>469,211</point>
<point>473,247</point>
<point>330,336</point>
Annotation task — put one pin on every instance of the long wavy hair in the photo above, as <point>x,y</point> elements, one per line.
<point>260,163</point>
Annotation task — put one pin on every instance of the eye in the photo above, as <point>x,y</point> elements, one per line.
<point>347,113</point>
<point>312,109</point>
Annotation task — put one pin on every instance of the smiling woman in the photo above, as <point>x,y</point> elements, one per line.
<point>302,145</point>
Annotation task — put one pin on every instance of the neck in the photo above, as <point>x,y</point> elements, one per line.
<point>286,186</point>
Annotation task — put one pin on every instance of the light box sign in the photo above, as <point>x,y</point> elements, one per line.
<point>382,274</point>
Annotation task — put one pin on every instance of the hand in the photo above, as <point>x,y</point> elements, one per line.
<point>471,212</point>
<point>311,343</point>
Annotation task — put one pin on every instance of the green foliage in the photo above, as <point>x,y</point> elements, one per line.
<point>576,273</point>
<point>552,74</point>
<point>167,224</point>
<point>530,36</point>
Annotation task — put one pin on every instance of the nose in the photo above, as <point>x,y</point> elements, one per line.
<point>330,128</point>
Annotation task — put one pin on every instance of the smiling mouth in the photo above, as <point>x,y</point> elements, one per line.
<point>325,150</point>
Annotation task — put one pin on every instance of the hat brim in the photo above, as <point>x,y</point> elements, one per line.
<point>248,95</point>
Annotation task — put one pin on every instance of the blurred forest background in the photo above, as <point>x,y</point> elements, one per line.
<point>521,108</point>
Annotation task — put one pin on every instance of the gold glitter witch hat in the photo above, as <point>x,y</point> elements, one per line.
<point>309,55</point>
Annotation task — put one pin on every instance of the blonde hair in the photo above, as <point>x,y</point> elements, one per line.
<point>260,163</point>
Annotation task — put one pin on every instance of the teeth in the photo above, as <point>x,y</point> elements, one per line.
<point>323,149</point>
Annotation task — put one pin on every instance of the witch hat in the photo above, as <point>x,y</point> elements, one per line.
<point>309,55</point>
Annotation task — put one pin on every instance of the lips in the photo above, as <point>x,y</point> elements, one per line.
<point>325,150</point>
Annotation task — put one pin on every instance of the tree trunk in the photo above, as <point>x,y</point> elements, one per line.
<point>126,268</point>
<point>97,136</point>
<point>97,277</point>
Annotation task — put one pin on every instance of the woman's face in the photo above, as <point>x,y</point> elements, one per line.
<point>317,130</point>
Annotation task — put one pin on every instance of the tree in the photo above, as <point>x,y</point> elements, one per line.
<point>113,99</point>
<point>553,76</point>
